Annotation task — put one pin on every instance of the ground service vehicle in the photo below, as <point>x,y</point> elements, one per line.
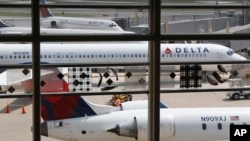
<point>240,83</point>
<point>122,97</point>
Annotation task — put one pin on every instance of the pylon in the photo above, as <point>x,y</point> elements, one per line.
<point>23,109</point>
<point>7,109</point>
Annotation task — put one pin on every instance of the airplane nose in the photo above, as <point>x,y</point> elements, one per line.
<point>241,57</point>
<point>44,129</point>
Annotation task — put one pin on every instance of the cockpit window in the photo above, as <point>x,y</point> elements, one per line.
<point>112,25</point>
<point>230,52</point>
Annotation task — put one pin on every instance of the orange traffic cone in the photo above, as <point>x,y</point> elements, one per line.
<point>7,109</point>
<point>23,110</point>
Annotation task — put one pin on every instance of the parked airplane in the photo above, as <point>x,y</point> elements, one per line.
<point>80,23</point>
<point>24,2</point>
<point>91,53</point>
<point>176,124</point>
<point>216,2</point>
<point>5,29</point>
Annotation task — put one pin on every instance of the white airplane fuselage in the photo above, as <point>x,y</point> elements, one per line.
<point>49,31</point>
<point>80,23</point>
<point>176,124</point>
<point>91,53</point>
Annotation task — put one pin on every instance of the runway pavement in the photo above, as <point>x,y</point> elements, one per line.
<point>16,126</point>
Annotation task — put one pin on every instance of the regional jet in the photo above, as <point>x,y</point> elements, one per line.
<point>176,124</point>
<point>79,23</point>
<point>110,53</point>
<point>216,2</point>
<point>5,29</point>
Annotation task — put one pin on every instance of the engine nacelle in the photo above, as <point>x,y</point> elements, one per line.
<point>138,104</point>
<point>131,105</point>
<point>137,128</point>
<point>53,24</point>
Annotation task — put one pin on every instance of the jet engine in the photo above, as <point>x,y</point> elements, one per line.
<point>138,128</point>
<point>53,24</point>
<point>131,105</point>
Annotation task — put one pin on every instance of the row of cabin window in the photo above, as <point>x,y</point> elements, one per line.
<point>79,56</point>
<point>96,56</point>
<point>15,56</point>
<point>104,56</point>
<point>184,55</point>
<point>219,126</point>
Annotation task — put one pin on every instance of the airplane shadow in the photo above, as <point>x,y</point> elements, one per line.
<point>231,100</point>
<point>17,104</point>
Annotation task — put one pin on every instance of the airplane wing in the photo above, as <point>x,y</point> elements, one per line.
<point>50,79</point>
<point>14,76</point>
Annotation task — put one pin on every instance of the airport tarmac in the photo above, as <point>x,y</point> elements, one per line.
<point>16,126</point>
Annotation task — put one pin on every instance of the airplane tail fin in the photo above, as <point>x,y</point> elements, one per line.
<point>45,12</point>
<point>64,107</point>
<point>3,24</point>
<point>59,107</point>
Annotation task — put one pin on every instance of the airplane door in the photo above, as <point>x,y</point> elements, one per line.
<point>220,56</point>
<point>60,126</point>
<point>167,127</point>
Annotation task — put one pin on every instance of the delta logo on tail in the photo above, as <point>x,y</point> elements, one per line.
<point>45,11</point>
<point>63,107</point>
